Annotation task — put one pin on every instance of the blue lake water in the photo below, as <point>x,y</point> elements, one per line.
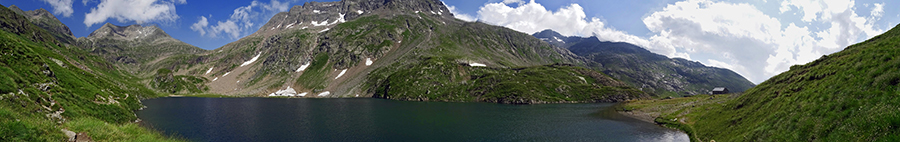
<point>365,119</point>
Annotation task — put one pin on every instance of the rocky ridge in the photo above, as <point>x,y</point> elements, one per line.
<point>341,49</point>
<point>44,19</point>
<point>648,71</point>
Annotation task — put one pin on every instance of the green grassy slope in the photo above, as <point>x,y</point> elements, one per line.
<point>43,91</point>
<point>851,95</point>
<point>442,79</point>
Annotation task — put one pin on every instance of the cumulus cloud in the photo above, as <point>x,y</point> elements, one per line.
<point>61,7</point>
<point>533,17</point>
<point>243,21</point>
<point>877,10</point>
<point>732,35</point>
<point>139,11</point>
<point>461,16</point>
<point>200,25</point>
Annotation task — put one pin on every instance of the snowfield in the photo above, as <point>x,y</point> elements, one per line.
<point>226,74</point>
<point>477,65</point>
<point>359,11</point>
<point>326,29</point>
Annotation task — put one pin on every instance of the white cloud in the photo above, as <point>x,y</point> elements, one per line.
<point>140,11</point>
<point>731,35</point>
<point>461,16</point>
<point>569,20</point>
<point>200,25</point>
<point>243,21</point>
<point>61,7</point>
<point>878,10</point>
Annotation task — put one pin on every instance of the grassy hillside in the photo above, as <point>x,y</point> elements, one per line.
<point>442,79</point>
<point>850,95</point>
<point>43,91</point>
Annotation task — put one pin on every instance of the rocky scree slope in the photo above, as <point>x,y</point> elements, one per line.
<point>648,71</point>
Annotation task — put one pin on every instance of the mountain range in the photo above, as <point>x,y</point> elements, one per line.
<point>345,42</point>
<point>394,49</point>
<point>646,70</point>
<point>355,48</point>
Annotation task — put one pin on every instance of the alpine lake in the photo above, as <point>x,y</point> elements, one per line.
<point>368,119</point>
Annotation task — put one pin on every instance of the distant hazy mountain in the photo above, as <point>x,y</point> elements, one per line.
<point>648,71</point>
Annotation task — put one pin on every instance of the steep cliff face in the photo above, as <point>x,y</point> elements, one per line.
<point>648,71</point>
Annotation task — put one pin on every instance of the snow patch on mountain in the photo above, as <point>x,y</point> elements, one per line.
<point>209,70</point>
<point>326,93</point>
<point>340,20</point>
<point>290,92</point>
<point>252,59</point>
<point>302,67</point>
<point>323,23</point>
<point>290,25</point>
<point>477,65</point>
<point>341,74</point>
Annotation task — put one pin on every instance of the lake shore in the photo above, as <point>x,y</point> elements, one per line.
<point>640,115</point>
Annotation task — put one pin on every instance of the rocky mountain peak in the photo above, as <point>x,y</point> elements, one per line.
<point>552,37</point>
<point>548,33</point>
<point>131,32</point>
<point>16,9</point>
<point>324,14</point>
<point>44,19</point>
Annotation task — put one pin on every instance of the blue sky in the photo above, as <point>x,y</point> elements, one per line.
<point>756,38</point>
